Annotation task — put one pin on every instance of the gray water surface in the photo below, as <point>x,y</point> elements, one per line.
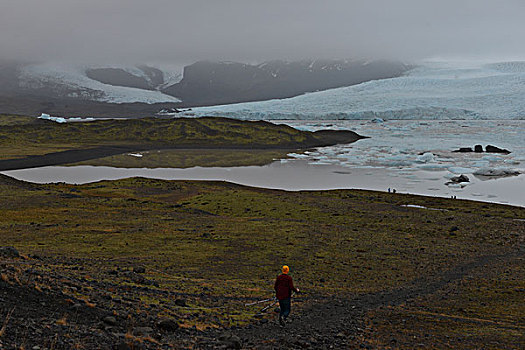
<point>295,175</point>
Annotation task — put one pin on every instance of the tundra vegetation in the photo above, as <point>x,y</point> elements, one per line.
<point>163,264</point>
<point>21,137</point>
<point>217,246</point>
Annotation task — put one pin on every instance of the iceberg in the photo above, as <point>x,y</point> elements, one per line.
<point>54,119</point>
<point>433,166</point>
<point>460,170</point>
<point>297,155</point>
<point>497,172</point>
<point>427,157</point>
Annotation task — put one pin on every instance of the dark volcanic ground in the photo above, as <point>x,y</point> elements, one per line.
<point>39,309</point>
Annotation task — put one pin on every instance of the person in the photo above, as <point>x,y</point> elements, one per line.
<point>283,289</point>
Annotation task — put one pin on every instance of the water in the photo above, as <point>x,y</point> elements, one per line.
<point>301,175</point>
<point>410,156</point>
<point>414,123</point>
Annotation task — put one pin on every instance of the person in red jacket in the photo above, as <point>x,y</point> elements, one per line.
<point>283,289</point>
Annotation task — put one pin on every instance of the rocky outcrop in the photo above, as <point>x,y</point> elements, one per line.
<point>497,172</point>
<point>150,79</point>
<point>460,178</point>
<point>9,252</point>
<point>117,77</point>
<point>494,149</point>
<point>479,149</point>
<point>464,150</point>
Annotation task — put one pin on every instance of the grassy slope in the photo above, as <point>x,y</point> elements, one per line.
<point>220,239</point>
<point>20,136</point>
<point>187,158</point>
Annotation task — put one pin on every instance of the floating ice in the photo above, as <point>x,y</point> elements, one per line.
<point>433,166</point>
<point>413,206</point>
<point>396,163</point>
<point>480,164</point>
<point>320,162</point>
<point>64,120</point>
<point>497,172</point>
<point>425,158</point>
<point>512,161</point>
<point>460,170</point>
<point>456,185</point>
<point>297,155</point>
<point>492,158</point>
<point>79,119</point>
<point>54,119</point>
<point>420,207</point>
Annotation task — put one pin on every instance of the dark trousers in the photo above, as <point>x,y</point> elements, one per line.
<point>285,305</point>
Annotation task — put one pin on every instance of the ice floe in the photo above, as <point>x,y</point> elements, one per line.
<point>54,119</point>
<point>497,172</point>
<point>64,120</point>
<point>460,170</point>
<point>420,207</point>
<point>425,158</point>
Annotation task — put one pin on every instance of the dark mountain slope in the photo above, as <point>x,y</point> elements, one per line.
<point>209,83</point>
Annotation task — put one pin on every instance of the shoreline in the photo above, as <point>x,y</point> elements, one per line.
<point>129,135</point>
<point>293,176</point>
<point>85,154</point>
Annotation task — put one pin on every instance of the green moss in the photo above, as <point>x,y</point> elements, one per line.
<point>12,119</point>
<point>187,158</point>
<point>222,238</point>
<point>482,310</point>
<point>151,133</point>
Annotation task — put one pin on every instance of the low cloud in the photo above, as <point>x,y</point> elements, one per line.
<point>252,31</point>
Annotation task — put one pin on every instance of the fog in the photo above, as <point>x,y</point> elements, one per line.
<point>252,31</point>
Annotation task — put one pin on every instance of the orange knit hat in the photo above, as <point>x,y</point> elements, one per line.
<point>286,269</point>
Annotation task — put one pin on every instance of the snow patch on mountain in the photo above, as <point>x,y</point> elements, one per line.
<point>173,73</point>
<point>71,81</point>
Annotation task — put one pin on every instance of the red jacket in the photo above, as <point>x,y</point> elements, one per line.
<point>284,286</point>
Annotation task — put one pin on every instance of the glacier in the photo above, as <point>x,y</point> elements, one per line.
<point>72,80</point>
<point>433,91</point>
<point>414,123</point>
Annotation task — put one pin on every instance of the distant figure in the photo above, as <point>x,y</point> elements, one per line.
<point>389,190</point>
<point>394,190</point>
<point>283,288</point>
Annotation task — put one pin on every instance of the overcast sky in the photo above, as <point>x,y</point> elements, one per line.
<point>182,31</point>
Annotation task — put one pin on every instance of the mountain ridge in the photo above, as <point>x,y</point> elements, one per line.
<point>143,90</point>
